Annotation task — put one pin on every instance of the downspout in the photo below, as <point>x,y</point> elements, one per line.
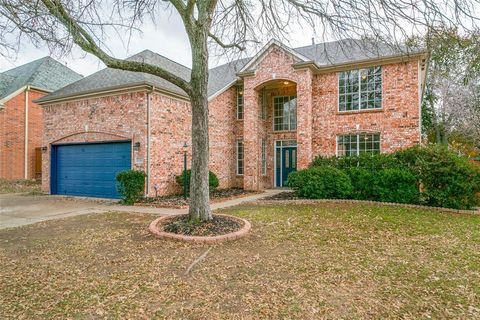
<point>26,134</point>
<point>148,139</point>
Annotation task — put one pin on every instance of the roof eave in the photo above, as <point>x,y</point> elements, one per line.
<point>107,91</point>
<point>360,63</point>
<point>20,90</point>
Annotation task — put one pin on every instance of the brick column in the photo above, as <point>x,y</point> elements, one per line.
<point>251,140</point>
<point>304,118</point>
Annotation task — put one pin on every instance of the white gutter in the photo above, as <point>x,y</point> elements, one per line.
<point>26,134</point>
<point>148,139</point>
<point>20,90</point>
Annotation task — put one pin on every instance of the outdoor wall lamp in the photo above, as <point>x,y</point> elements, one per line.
<point>136,146</point>
<point>44,149</point>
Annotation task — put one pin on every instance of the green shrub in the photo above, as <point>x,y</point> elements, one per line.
<point>131,185</point>
<point>212,180</point>
<point>396,185</point>
<point>363,182</point>
<point>447,179</point>
<point>320,182</point>
<point>367,161</point>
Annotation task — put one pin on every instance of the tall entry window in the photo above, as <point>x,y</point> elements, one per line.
<point>360,89</point>
<point>264,157</point>
<point>239,157</point>
<point>356,144</point>
<point>285,113</point>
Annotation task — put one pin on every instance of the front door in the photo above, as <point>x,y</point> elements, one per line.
<point>286,164</point>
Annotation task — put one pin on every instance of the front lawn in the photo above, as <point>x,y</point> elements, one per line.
<point>331,261</point>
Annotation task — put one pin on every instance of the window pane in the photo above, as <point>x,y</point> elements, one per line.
<point>264,157</point>
<point>284,113</point>
<point>360,89</point>
<point>239,157</point>
<point>240,102</point>
<point>293,113</point>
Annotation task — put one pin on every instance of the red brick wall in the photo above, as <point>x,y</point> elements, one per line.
<point>397,121</point>
<point>170,129</point>
<point>124,117</point>
<point>121,117</point>
<point>224,130</point>
<point>12,135</point>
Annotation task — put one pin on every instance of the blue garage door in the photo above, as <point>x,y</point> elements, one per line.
<point>89,169</point>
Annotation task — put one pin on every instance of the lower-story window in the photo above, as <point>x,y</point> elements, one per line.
<point>264,157</point>
<point>239,157</point>
<point>356,144</point>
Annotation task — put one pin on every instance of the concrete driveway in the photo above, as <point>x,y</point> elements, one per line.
<point>21,209</point>
<point>17,209</point>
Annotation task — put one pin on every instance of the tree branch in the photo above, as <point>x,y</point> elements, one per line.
<point>88,44</point>
<point>223,45</point>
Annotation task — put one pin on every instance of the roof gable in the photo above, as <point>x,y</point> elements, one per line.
<point>255,60</point>
<point>45,74</point>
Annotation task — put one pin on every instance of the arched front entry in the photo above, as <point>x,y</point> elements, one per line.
<point>270,134</point>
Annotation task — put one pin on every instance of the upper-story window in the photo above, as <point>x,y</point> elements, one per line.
<point>239,102</point>
<point>360,89</point>
<point>356,144</point>
<point>285,113</point>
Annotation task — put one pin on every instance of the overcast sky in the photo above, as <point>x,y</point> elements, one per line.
<point>167,37</point>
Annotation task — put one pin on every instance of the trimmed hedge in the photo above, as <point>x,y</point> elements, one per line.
<point>446,179</point>
<point>321,182</point>
<point>396,185</point>
<point>430,175</point>
<point>212,180</point>
<point>131,185</point>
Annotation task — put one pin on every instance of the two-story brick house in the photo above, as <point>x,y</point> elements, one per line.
<point>269,115</point>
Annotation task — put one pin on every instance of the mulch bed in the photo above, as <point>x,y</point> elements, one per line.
<point>287,195</point>
<point>178,202</point>
<point>219,225</point>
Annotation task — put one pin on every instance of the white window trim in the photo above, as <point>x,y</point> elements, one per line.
<point>273,114</point>
<point>359,91</point>
<point>237,142</point>
<point>358,141</point>
<point>281,146</point>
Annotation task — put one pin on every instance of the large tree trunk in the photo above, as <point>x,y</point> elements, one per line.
<point>199,188</point>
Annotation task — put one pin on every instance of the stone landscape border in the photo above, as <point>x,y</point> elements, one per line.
<point>404,205</point>
<point>153,228</point>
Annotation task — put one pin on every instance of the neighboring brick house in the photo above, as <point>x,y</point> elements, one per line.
<point>269,115</point>
<point>21,127</point>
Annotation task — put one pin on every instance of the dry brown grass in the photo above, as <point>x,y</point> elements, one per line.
<point>20,186</point>
<point>328,261</point>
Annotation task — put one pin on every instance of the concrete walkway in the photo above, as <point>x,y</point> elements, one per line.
<point>20,209</point>
<point>214,206</point>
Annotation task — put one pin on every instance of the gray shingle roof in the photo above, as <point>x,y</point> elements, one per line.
<point>324,54</point>
<point>109,78</point>
<point>348,50</point>
<point>45,74</point>
<point>221,76</point>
